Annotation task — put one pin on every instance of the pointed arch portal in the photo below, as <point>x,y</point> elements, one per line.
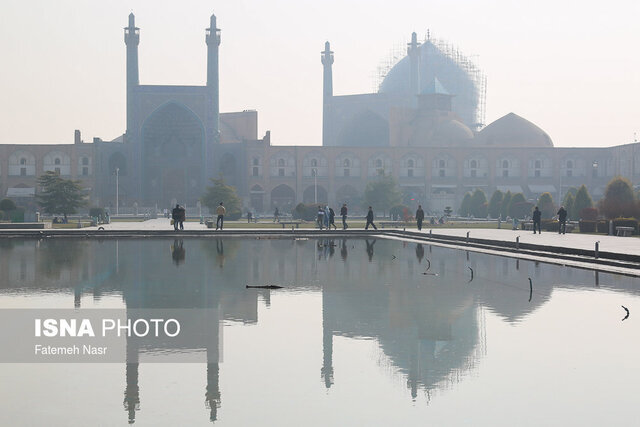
<point>172,155</point>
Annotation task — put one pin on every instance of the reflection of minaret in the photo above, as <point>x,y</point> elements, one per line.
<point>132,392</point>
<point>131,39</point>
<point>327,344</point>
<point>212,395</point>
<point>77,295</point>
<point>414,57</point>
<point>327,91</point>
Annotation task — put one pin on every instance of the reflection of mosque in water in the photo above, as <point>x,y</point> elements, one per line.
<point>429,326</point>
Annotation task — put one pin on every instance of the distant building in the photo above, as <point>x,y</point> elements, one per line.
<point>424,127</point>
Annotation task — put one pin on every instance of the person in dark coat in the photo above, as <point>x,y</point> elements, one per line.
<point>183,216</point>
<point>562,219</point>
<point>332,219</point>
<point>537,218</point>
<point>320,218</point>
<point>370,220</point>
<point>175,215</point>
<point>419,217</point>
<point>343,213</point>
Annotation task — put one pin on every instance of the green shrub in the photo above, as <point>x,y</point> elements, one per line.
<point>587,226</point>
<point>7,205</point>
<point>96,212</point>
<point>399,212</point>
<point>602,226</point>
<point>589,214</point>
<point>550,225</point>
<point>306,212</point>
<point>17,215</point>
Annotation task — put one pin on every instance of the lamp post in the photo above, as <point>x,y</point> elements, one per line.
<point>117,198</point>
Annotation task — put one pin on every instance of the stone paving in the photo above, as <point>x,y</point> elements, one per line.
<point>628,245</point>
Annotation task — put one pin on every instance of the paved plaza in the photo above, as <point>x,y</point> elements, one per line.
<point>627,245</point>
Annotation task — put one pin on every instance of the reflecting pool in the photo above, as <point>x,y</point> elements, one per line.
<point>363,332</point>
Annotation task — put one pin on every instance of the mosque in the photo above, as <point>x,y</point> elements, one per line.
<point>424,126</point>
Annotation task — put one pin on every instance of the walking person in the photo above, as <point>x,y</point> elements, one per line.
<point>320,217</point>
<point>343,213</point>
<point>419,217</point>
<point>562,219</point>
<point>326,217</point>
<point>370,220</point>
<point>276,215</point>
<point>183,216</point>
<point>175,216</point>
<point>332,219</point>
<point>249,214</point>
<point>537,218</point>
<point>220,210</point>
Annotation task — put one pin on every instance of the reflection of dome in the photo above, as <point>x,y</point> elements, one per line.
<point>452,132</point>
<point>435,63</point>
<point>514,131</point>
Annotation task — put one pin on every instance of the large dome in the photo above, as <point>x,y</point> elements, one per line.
<point>436,64</point>
<point>452,132</point>
<point>514,131</point>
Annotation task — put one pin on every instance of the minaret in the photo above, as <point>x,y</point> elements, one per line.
<point>327,91</point>
<point>414,55</point>
<point>213,41</point>
<point>131,39</point>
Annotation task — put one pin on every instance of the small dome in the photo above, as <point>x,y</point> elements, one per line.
<point>514,131</point>
<point>452,132</point>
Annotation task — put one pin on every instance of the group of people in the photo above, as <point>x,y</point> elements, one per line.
<point>562,220</point>
<point>326,217</point>
<point>178,216</point>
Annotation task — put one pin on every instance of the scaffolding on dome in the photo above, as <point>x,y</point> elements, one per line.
<point>466,63</point>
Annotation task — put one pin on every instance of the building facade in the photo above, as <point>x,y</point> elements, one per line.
<point>424,127</point>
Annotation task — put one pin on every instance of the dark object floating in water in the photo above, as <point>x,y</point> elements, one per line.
<point>530,289</point>
<point>265,287</point>
<point>471,269</point>
<point>627,310</point>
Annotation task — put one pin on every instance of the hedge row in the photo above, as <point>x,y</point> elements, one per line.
<point>602,226</point>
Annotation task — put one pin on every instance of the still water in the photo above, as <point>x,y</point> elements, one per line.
<point>358,335</point>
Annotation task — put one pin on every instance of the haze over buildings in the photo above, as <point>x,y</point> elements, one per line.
<point>568,69</point>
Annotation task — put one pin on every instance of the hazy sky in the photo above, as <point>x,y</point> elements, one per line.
<point>571,67</point>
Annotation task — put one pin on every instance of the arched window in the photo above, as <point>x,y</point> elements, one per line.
<point>56,161</point>
<point>569,164</point>
<point>410,163</point>
<point>538,164</point>
<point>280,162</point>
<point>85,161</point>
<point>346,163</point>
<point>256,161</point>
<point>441,164</point>
<point>23,161</point>
<point>378,163</point>
<point>474,164</point>
<point>314,163</point>
<point>505,164</point>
